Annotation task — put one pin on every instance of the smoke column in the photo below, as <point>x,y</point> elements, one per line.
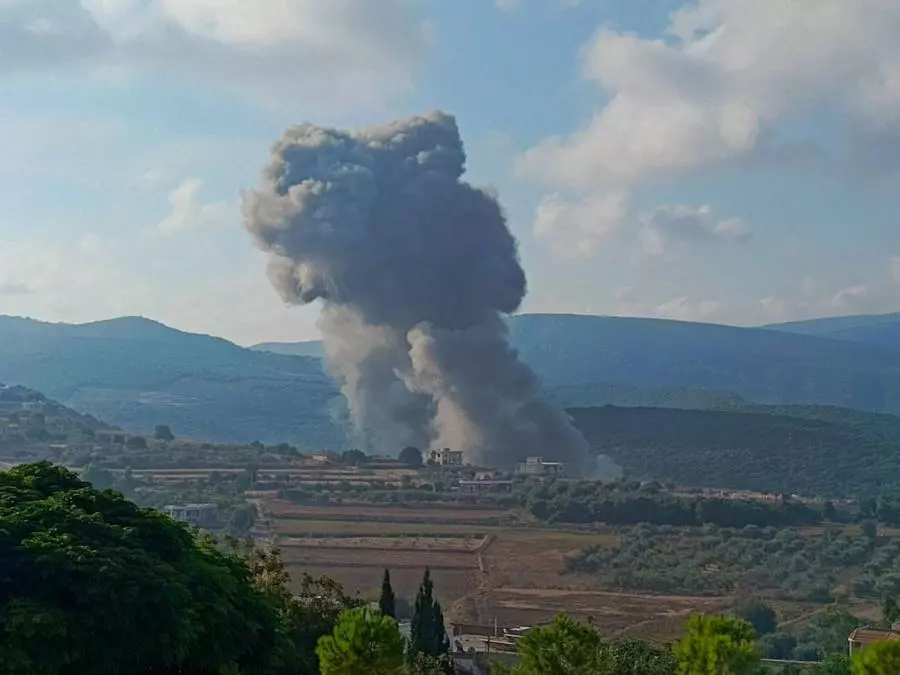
<point>415,269</point>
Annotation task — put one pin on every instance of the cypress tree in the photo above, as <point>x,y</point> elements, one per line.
<point>428,635</point>
<point>388,601</point>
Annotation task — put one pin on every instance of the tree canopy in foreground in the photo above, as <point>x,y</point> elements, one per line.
<point>91,583</point>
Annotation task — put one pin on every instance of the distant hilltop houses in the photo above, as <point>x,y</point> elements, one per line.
<point>536,466</point>
<point>195,514</point>
<point>532,466</point>
<point>446,457</point>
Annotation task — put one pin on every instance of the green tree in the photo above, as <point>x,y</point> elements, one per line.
<point>829,513</point>
<point>242,519</point>
<point>428,635</point>
<point>163,432</point>
<point>878,658</point>
<point>354,457</point>
<point>834,664</point>
<point>890,612</point>
<point>136,443</point>
<point>430,665</point>
<point>563,647</point>
<point>388,601</point>
<point>362,642</point>
<point>411,456</point>
<point>92,584</point>
<point>869,529</point>
<point>636,657</point>
<point>307,614</point>
<point>717,645</point>
<point>759,615</point>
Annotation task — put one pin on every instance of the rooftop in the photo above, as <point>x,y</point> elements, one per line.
<point>867,634</point>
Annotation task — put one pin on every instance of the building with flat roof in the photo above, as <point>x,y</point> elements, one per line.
<point>195,514</point>
<point>861,637</point>
<point>446,457</point>
<point>536,466</point>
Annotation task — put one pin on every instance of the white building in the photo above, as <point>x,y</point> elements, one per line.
<point>195,514</point>
<point>446,457</point>
<point>536,466</point>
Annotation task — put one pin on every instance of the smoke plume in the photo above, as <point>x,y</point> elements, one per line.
<point>415,269</point>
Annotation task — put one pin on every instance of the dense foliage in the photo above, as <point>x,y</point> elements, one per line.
<point>624,503</point>
<point>793,449</point>
<point>428,635</point>
<point>362,642</point>
<point>566,646</point>
<point>90,583</point>
<point>784,564</point>
<point>387,601</point>
<point>717,645</point>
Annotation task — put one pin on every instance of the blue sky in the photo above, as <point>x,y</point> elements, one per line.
<point>723,160</point>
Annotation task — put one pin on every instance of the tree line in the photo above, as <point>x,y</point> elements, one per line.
<point>632,503</point>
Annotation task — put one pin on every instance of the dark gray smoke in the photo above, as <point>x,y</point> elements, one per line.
<point>414,268</point>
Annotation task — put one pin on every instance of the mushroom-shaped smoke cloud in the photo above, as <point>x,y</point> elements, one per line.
<point>415,269</point>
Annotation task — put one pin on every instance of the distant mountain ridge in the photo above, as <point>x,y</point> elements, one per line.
<point>876,329</point>
<point>312,348</point>
<point>137,373</point>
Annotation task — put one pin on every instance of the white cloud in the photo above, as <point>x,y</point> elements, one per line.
<point>59,274</point>
<point>729,72</point>
<point>860,298</point>
<point>188,212</point>
<point>666,230</point>
<point>576,228</point>
<point>281,50</point>
<point>506,5</point>
<point>774,307</point>
<point>874,295</point>
<point>725,86</point>
<point>51,278</point>
<point>683,308</point>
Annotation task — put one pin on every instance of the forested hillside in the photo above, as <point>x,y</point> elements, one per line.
<point>136,373</point>
<point>795,449</point>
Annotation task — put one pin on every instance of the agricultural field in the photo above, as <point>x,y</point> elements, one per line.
<point>488,564</point>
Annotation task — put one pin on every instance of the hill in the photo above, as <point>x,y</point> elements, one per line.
<point>312,348</point>
<point>137,373</point>
<point>609,393</point>
<point>808,450</point>
<point>581,359</point>
<point>19,404</point>
<point>765,366</point>
<point>876,329</point>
